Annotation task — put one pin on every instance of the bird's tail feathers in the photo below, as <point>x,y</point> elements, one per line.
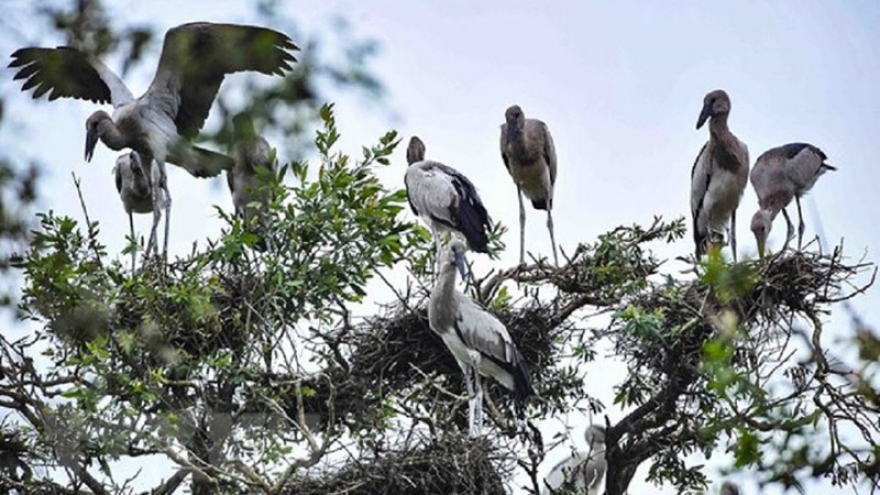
<point>473,221</point>
<point>826,167</point>
<point>540,204</point>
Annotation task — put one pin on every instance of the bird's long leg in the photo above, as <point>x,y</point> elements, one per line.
<point>789,232</point>
<point>801,226</point>
<point>733,234</point>
<point>552,237</point>
<point>166,197</point>
<point>522,227</point>
<point>478,402</point>
<point>471,403</point>
<point>155,188</point>
<point>134,250</point>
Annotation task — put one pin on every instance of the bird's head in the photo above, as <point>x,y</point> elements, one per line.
<point>762,221</point>
<point>595,435</point>
<point>243,127</point>
<point>515,118</point>
<point>729,488</point>
<point>94,131</point>
<point>714,104</point>
<point>415,152</point>
<point>455,256</point>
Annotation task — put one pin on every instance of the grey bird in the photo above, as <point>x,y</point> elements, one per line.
<point>779,175</point>
<point>160,124</point>
<point>530,157</point>
<point>729,488</point>
<point>584,470</point>
<point>479,342</point>
<point>445,199</point>
<point>251,152</point>
<point>135,190</point>
<point>719,176</point>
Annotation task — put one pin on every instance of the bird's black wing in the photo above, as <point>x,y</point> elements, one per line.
<point>197,56</point>
<point>470,215</point>
<point>66,72</point>
<point>699,187</point>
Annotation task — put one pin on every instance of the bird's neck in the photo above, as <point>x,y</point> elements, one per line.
<point>111,135</point>
<point>718,126</point>
<point>520,146</point>
<point>446,282</point>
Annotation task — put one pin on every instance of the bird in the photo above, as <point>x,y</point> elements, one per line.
<point>250,152</point>
<point>445,199</point>
<point>160,124</point>
<point>719,175</point>
<point>479,342</point>
<point>780,174</point>
<point>583,470</point>
<point>135,190</point>
<point>729,488</point>
<point>530,157</point>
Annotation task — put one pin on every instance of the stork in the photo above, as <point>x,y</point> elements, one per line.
<point>779,175</point>
<point>719,175</point>
<point>160,124</point>
<point>585,469</point>
<point>250,152</point>
<point>478,341</point>
<point>445,199</point>
<point>135,191</point>
<point>530,157</point>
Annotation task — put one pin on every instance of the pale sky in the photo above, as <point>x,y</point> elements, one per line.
<point>620,85</point>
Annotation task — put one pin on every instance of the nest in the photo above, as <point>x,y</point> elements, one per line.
<point>452,464</point>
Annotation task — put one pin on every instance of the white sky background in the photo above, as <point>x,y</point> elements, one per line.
<point>620,85</point>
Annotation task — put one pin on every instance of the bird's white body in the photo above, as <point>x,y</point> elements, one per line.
<point>479,342</point>
<point>723,194</point>
<point>445,199</point>
<point>585,469</point>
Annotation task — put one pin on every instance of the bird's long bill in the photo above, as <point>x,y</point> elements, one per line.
<point>135,159</point>
<point>511,131</point>
<point>461,263</point>
<point>91,142</point>
<point>762,246</point>
<point>704,114</point>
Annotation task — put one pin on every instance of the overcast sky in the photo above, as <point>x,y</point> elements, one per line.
<point>620,85</point>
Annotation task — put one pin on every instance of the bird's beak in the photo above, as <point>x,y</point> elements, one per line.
<point>461,263</point>
<point>135,159</point>
<point>762,244</point>
<point>511,131</point>
<point>91,141</point>
<point>704,114</point>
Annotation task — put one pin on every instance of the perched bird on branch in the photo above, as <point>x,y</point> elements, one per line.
<point>585,470</point>
<point>779,175</point>
<point>445,199</point>
<point>477,339</point>
<point>718,178</point>
<point>530,157</point>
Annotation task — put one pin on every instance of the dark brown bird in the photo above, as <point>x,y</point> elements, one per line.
<point>781,174</point>
<point>161,124</point>
<point>530,157</point>
<point>719,176</point>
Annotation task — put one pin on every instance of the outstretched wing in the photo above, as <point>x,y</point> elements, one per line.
<point>66,72</point>
<point>197,56</point>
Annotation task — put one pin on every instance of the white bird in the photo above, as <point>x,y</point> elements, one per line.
<point>779,175</point>
<point>135,190</point>
<point>719,176</point>
<point>445,199</point>
<point>729,488</point>
<point>250,152</point>
<point>479,342</point>
<point>585,469</point>
<point>161,123</point>
<point>530,157</point>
